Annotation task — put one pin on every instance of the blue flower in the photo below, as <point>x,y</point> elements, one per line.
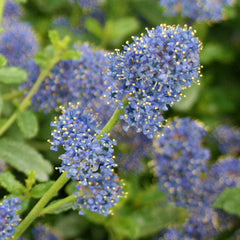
<point>8,217</point>
<point>87,159</point>
<point>195,9</point>
<point>73,81</point>
<point>228,139</point>
<point>102,193</point>
<point>43,233</point>
<point>180,159</point>
<point>151,72</point>
<point>88,3</point>
<point>12,10</point>
<point>18,43</point>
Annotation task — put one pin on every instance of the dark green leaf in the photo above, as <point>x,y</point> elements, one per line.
<point>39,189</point>
<point>229,201</point>
<point>24,158</point>
<point>11,75</point>
<point>11,184</point>
<point>27,123</point>
<point>95,217</point>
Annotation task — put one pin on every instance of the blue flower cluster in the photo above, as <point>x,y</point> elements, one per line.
<point>88,158</point>
<point>151,72</point>
<point>228,139</point>
<point>184,176</point>
<point>12,10</point>
<point>8,217</point>
<point>73,81</point>
<point>197,9</point>
<point>43,233</point>
<point>18,43</point>
<point>88,3</point>
<point>180,160</point>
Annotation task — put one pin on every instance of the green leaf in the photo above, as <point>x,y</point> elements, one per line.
<point>71,54</point>
<point>11,184</point>
<point>54,37</point>
<point>192,95</point>
<point>21,1</point>
<point>63,208</point>
<point>229,201</point>
<point>147,220</point>
<point>115,30</point>
<point>11,75</point>
<point>3,61</point>
<point>94,27</point>
<point>27,123</point>
<point>42,58</point>
<point>31,180</point>
<point>24,158</point>
<point>95,217</point>
<point>39,189</point>
<point>1,105</point>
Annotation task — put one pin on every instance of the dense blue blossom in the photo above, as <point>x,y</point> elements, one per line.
<point>73,81</point>
<point>197,9</point>
<point>228,139</point>
<point>222,174</point>
<point>180,160</point>
<point>103,192</point>
<point>43,233</point>
<point>8,217</point>
<point>18,43</point>
<point>151,72</point>
<point>12,10</point>
<point>87,159</point>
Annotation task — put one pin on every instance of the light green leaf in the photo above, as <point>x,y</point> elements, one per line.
<point>27,123</point>
<point>3,61</point>
<point>24,158</point>
<point>63,208</point>
<point>42,58</point>
<point>11,75</point>
<point>115,30</point>
<point>54,37</point>
<point>39,189</point>
<point>94,27</point>
<point>21,1</point>
<point>71,54</point>
<point>11,184</point>
<point>229,201</point>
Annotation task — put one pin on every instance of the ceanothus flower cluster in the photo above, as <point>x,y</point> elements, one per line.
<point>43,233</point>
<point>9,218</point>
<point>73,81</point>
<point>88,158</point>
<point>18,43</point>
<point>180,160</point>
<point>12,10</point>
<point>228,139</point>
<point>197,9</point>
<point>151,72</point>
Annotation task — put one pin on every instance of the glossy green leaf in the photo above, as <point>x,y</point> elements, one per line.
<point>28,123</point>
<point>11,184</point>
<point>11,75</point>
<point>39,189</point>
<point>229,201</point>
<point>24,158</point>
